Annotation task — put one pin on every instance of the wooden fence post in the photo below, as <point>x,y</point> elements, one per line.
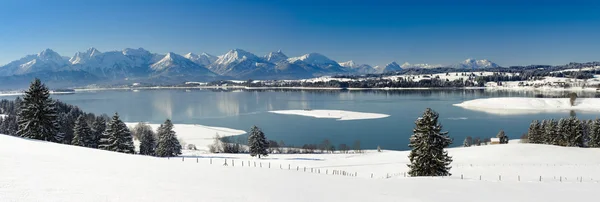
<point>210,160</point>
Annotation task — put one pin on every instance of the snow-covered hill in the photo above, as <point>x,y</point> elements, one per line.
<point>475,64</point>
<point>42,171</point>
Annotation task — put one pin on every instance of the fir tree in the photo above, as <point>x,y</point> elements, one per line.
<point>594,139</point>
<point>147,139</point>
<point>117,137</point>
<point>562,130</point>
<point>82,133</point>
<point>37,117</point>
<point>468,141</point>
<point>427,157</point>
<point>551,132</point>
<point>535,133</point>
<point>168,145</point>
<point>257,142</point>
<point>502,136</point>
<point>574,136</point>
<point>98,128</point>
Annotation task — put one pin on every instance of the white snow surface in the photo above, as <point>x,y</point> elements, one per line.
<point>521,105</point>
<point>3,115</point>
<point>43,171</point>
<point>341,115</point>
<point>199,135</point>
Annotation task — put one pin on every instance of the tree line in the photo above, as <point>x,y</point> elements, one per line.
<point>568,132</point>
<point>37,116</point>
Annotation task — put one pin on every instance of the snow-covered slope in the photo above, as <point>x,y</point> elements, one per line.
<point>83,57</point>
<point>47,60</point>
<point>521,105</point>
<point>203,59</point>
<point>43,171</point>
<point>238,63</point>
<point>176,65</point>
<point>321,63</point>
<point>275,57</point>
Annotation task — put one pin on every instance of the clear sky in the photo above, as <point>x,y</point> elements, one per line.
<point>373,32</point>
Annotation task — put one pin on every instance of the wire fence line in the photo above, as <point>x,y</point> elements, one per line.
<point>234,162</point>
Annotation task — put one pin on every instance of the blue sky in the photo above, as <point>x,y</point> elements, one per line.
<point>373,32</point>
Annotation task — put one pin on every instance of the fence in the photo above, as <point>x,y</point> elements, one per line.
<point>338,172</point>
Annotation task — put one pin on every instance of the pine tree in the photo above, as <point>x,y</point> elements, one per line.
<point>82,133</point>
<point>168,145</point>
<point>258,142</point>
<point>594,139</point>
<point>37,117</point>
<point>117,137</point>
<point>98,128</point>
<point>574,136</point>
<point>535,133</point>
<point>147,139</point>
<point>427,157</point>
<point>468,141</point>
<point>502,136</point>
<point>562,130</point>
<point>551,132</point>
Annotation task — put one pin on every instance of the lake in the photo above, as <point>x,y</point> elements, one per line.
<point>241,109</point>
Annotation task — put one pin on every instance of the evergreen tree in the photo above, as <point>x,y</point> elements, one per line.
<point>257,142</point>
<point>594,139</point>
<point>468,141</point>
<point>37,117</point>
<point>117,137</point>
<point>98,128</point>
<point>562,130</point>
<point>427,157</point>
<point>147,139</point>
<point>502,136</point>
<point>168,145</point>
<point>535,133</point>
<point>575,135</point>
<point>82,133</point>
<point>551,132</point>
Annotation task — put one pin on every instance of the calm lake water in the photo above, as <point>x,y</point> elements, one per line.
<point>241,109</point>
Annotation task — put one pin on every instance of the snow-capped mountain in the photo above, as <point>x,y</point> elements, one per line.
<point>275,57</point>
<point>203,59</point>
<point>476,64</point>
<point>358,68</point>
<point>47,60</point>
<point>407,65</point>
<point>320,63</point>
<point>177,65</point>
<point>391,67</point>
<point>240,63</point>
<point>82,57</point>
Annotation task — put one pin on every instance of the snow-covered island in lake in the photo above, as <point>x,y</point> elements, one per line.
<point>520,105</point>
<point>341,115</point>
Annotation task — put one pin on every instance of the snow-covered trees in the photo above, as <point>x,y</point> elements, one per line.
<point>468,141</point>
<point>83,135</point>
<point>147,138</point>
<point>427,157</point>
<point>502,136</point>
<point>257,142</point>
<point>535,133</point>
<point>117,137</point>
<point>573,137</point>
<point>167,145</point>
<point>37,118</point>
<point>594,134</point>
<point>98,128</point>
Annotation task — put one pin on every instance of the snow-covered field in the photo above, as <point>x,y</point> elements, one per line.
<point>520,105</point>
<point>3,115</point>
<point>333,114</point>
<point>199,135</point>
<point>42,171</point>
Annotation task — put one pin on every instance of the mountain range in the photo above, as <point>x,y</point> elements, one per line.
<point>140,65</point>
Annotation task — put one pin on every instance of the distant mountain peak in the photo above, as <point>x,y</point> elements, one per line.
<point>407,65</point>
<point>236,55</point>
<point>390,67</point>
<point>349,64</point>
<point>275,57</point>
<point>474,64</point>
<point>313,58</point>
